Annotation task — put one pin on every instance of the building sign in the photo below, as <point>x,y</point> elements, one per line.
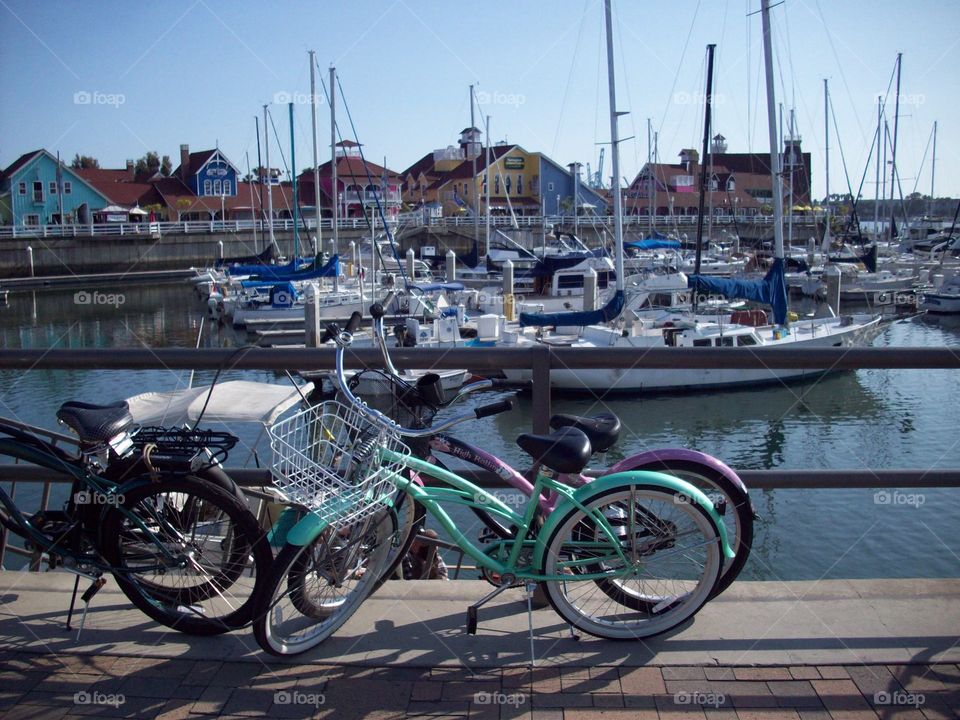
<point>513,163</point>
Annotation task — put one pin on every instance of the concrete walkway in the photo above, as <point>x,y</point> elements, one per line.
<point>840,649</point>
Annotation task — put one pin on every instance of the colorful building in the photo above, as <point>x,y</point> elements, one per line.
<point>35,189</point>
<point>360,185</point>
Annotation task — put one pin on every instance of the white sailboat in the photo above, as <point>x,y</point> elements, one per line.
<point>690,330</point>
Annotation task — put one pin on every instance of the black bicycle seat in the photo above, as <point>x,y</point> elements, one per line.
<point>95,423</point>
<point>603,429</point>
<point>566,450</point>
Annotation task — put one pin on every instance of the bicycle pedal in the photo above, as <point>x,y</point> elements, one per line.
<point>472,620</point>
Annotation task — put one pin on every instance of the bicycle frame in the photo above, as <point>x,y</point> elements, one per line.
<point>463,492</point>
<point>38,454</point>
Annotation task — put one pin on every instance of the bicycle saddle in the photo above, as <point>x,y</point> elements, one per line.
<point>95,423</point>
<point>603,429</point>
<point>566,450</point>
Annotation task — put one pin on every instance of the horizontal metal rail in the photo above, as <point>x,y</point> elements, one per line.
<point>778,479</point>
<point>256,358</point>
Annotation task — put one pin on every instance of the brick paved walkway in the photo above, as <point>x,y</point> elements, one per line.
<point>42,687</point>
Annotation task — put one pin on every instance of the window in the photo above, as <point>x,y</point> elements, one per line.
<point>496,185</point>
<point>549,187</point>
<point>713,184</point>
<point>745,340</point>
<point>37,191</point>
<point>22,188</point>
<point>519,184</point>
<point>731,185</point>
<point>724,342</point>
<point>702,343</point>
<point>207,187</point>
<point>507,183</point>
<point>484,183</point>
<point>217,187</point>
<point>227,187</point>
<point>32,220</point>
<point>53,188</point>
<point>67,187</point>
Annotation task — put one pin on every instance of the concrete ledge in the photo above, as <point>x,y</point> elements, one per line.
<point>422,624</point>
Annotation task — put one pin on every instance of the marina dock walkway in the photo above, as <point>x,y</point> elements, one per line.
<point>800,650</point>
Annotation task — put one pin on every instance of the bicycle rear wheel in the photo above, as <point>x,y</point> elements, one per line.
<point>187,553</point>
<point>314,589</point>
<point>673,562</point>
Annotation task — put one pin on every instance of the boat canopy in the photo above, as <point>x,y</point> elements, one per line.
<point>653,243</point>
<point>231,401</point>
<point>772,290</point>
<point>330,269</point>
<point>608,312</point>
<point>274,270</point>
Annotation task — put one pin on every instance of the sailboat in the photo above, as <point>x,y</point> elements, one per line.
<point>744,329</point>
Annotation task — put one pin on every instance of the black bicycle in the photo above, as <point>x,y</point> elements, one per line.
<point>150,506</point>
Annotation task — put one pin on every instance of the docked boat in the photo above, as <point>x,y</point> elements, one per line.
<point>943,300</point>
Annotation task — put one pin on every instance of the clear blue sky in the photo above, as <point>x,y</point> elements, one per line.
<point>197,71</point>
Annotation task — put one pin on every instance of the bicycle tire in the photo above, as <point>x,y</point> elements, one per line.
<point>678,599</point>
<point>215,596</point>
<point>291,617</point>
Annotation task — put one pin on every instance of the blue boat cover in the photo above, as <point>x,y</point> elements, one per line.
<point>434,287</point>
<point>577,319</point>
<point>772,290</point>
<point>652,243</point>
<point>268,269</point>
<point>330,269</point>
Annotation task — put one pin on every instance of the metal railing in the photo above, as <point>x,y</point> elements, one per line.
<point>541,360</point>
<point>415,219</point>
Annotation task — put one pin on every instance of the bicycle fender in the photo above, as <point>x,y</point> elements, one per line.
<point>306,530</point>
<point>665,455</point>
<point>625,479</point>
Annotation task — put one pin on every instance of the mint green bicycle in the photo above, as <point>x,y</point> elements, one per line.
<point>656,538</point>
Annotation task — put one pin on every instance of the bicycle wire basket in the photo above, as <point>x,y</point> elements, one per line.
<point>327,459</point>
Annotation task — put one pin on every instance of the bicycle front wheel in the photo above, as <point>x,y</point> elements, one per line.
<point>187,553</point>
<point>314,589</point>
<point>664,549</point>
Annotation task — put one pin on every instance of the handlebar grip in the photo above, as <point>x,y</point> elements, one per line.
<point>354,322</point>
<point>493,408</point>
<point>330,333</point>
<point>378,310</point>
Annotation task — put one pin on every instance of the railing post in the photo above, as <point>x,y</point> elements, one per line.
<point>540,365</point>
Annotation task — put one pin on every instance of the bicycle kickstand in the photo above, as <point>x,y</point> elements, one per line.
<point>531,589</point>
<point>87,596</point>
<point>472,610</point>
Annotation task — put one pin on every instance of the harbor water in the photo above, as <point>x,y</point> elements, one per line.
<point>865,419</point>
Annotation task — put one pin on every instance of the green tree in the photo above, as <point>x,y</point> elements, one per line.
<point>148,164</point>
<point>84,162</point>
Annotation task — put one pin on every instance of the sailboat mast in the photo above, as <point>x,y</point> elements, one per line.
<point>703,171</point>
<point>772,131</point>
<point>334,188</point>
<point>476,190</point>
<point>650,181</point>
<point>876,189</point>
<point>893,149</point>
<point>615,147</point>
<point>266,138</point>
<point>933,168</point>
<point>486,174</point>
<point>316,166</point>
<point>293,179</point>
<point>826,144</point>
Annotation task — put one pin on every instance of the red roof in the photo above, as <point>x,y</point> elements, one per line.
<point>195,161</point>
<point>20,162</point>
